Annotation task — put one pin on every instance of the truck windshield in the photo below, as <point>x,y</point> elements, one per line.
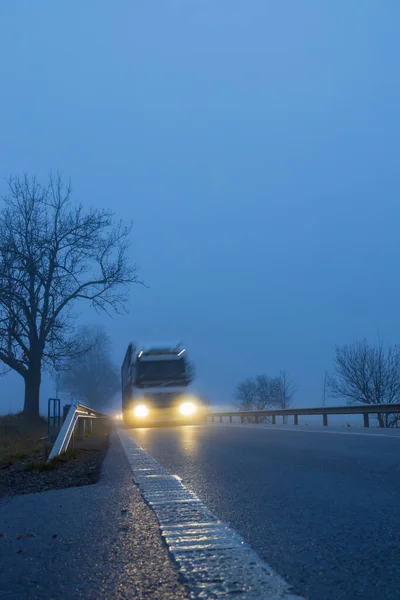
<point>160,371</point>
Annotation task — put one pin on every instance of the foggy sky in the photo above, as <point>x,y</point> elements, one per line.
<point>255,145</point>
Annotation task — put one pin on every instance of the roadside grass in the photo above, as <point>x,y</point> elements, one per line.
<point>57,461</point>
<point>20,441</point>
<point>20,438</point>
<point>23,467</point>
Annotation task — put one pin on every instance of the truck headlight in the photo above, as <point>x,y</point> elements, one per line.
<point>141,411</point>
<point>187,409</point>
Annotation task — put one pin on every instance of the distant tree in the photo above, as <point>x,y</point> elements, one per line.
<point>53,254</point>
<point>264,397</point>
<point>91,377</point>
<point>246,394</point>
<point>205,400</point>
<point>283,391</point>
<point>368,374</point>
<point>263,393</point>
<point>265,389</point>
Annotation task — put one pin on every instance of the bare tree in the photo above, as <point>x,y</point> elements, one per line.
<point>246,394</point>
<point>53,254</point>
<point>265,396</point>
<point>368,374</point>
<point>92,377</point>
<point>283,391</point>
<point>205,400</point>
<point>263,392</point>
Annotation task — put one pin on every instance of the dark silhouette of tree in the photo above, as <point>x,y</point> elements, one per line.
<point>283,392</point>
<point>54,255</point>
<point>246,394</point>
<point>263,393</point>
<point>368,374</point>
<point>91,377</point>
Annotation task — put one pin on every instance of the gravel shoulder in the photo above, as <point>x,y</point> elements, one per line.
<point>96,541</point>
<point>81,466</point>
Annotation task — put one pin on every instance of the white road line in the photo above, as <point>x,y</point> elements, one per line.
<point>322,431</point>
<point>213,559</point>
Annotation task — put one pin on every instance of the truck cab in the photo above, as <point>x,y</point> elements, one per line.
<point>156,386</point>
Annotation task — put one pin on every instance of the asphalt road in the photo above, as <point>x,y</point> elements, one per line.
<point>85,543</point>
<point>322,510</point>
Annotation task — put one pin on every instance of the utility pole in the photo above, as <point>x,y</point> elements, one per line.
<point>325,380</point>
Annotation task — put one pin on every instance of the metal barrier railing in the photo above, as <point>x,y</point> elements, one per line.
<point>362,409</point>
<point>77,416</point>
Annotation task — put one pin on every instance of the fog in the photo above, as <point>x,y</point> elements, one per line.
<point>255,147</point>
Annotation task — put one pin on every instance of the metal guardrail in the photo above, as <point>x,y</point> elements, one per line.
<point>362,409</point>
<point>79,416</point>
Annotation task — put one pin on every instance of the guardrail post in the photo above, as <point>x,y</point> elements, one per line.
<point>325,419</point>
<point>220,419</point>
<point>78,420</point>
<point>296,419</point>
<point>273,420</point>
<point>230,418</point>
<point>366,420</point>
<point>242,419</point>
<point>80,426</point>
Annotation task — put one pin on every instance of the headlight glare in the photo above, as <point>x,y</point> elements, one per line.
<point>187,409</point>
<point>141,411</point>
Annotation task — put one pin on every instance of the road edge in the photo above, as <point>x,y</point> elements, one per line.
<point>212,558</point>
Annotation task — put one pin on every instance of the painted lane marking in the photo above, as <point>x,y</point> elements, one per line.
<point>213,559</point>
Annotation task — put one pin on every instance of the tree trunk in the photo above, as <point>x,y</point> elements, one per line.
<point>381,420</point>
<point>32,389</point>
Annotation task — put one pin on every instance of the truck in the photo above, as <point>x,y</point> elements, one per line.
<point>156,386</point>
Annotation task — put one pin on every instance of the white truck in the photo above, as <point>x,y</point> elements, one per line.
<point>155,381</point>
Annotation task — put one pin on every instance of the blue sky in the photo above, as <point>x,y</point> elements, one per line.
<point>254,144</point>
